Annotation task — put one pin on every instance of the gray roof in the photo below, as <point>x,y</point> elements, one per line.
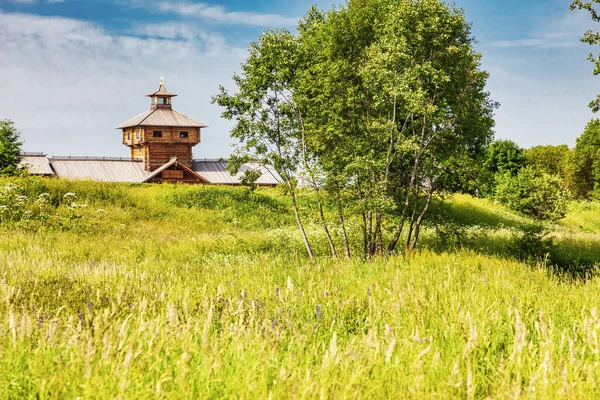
<point>115,169</point>
<point>162,117</point>
<point>103,169</point>
<point>36,164</point>
<point>161,91</point>
<point>215,171</point>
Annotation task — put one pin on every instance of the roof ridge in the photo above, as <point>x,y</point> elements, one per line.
<point>91,158</point>
<point>152,112</point>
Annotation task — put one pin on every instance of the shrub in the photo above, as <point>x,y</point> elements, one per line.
<point>10,148</point>
<point>533,244</point>
<point>536,195</point>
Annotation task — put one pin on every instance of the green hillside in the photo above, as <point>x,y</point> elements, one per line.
<point>129,291</point>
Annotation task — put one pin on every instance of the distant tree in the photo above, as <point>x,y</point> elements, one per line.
<point>10,147</point>
<point>505,156</point>
<point>541,196</point>
<point>591,37</point>
<point>586,162</point>
<point>552,160</point>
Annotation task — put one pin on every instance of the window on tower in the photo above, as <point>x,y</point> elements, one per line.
<point>157,134</point>
<point>161,100</point>
<point>184,134</point>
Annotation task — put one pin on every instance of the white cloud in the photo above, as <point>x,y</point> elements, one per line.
<point>552,40</point>
<point>558,32</point>
<point>68,83</point>
<point>221,15</point>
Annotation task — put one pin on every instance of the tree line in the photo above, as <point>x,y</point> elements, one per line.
<point>539,181</point>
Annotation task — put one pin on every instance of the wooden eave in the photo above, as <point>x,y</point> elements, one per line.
<point>174,163</point>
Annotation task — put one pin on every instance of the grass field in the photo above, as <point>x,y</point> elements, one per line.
<point>202,292</point>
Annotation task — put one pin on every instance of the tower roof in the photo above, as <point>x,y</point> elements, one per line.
<point>162,117</point>
<point>161,91</point>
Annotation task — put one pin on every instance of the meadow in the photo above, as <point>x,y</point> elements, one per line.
<point>140,291</point>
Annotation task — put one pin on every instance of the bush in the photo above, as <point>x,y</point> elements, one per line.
<point>536,195</point>
<point>533,244</point>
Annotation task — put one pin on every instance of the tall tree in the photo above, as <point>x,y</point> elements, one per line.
<point>591,37</point>
<point>551,160</point>
<point>266,121</point>
<point>505,156</point>
<point>10,147</point>
<point>392,93</point>
<point>382,100</point>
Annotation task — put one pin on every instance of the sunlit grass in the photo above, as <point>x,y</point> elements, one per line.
<point>161,296</point>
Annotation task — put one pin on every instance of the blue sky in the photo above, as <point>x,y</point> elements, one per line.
<point>74,69</point>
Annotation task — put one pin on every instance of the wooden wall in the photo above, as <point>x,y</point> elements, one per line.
<point>157,151</point>
<point>160,153</point>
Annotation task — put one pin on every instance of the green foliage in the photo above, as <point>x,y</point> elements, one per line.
<point>533,243</point>
<point>591,37</point>
<point>551,160</point>
<point>586,162</point>
<point>540,196</point>
<point>10,148</point>
<point>504,156</point>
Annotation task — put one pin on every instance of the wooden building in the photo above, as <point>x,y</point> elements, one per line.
<point>160,141</point>
<point>163,138</point>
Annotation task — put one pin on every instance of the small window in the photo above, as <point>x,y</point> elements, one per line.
<point>154,100</point>
<point>184,134</point>
<point>161,100</point>
<point>157,134</point>
<point>138,135</point>
<point>128,135</point>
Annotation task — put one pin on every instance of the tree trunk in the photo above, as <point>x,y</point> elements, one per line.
<point>371,246</point>
<point>413,180</point>
<point>343,225</point>
<point>378,237</point>
<point>324,223</point>
<point>299,221</point>
<point>412,223</point>
<point>420,219</point>
<point>365,236</point>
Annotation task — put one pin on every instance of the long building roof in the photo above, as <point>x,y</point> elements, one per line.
<point>36,163</point>
<point>99,169</point>
<point>162,117</point>
<point>215,171</point>
<point>111,169</point>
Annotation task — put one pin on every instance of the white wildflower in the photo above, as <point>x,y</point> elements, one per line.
<point>69,195</point>
<point>9,188</point>
<point>21,198</point>
<point>101,211</point>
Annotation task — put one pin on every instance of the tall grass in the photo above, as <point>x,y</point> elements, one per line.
<point>188,292</point>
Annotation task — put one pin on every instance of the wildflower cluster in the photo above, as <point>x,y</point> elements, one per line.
<point>37,211</point>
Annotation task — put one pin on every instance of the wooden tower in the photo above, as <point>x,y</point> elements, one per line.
<point>161,134</point>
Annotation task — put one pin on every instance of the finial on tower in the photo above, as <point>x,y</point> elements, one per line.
<point>161,80</point>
